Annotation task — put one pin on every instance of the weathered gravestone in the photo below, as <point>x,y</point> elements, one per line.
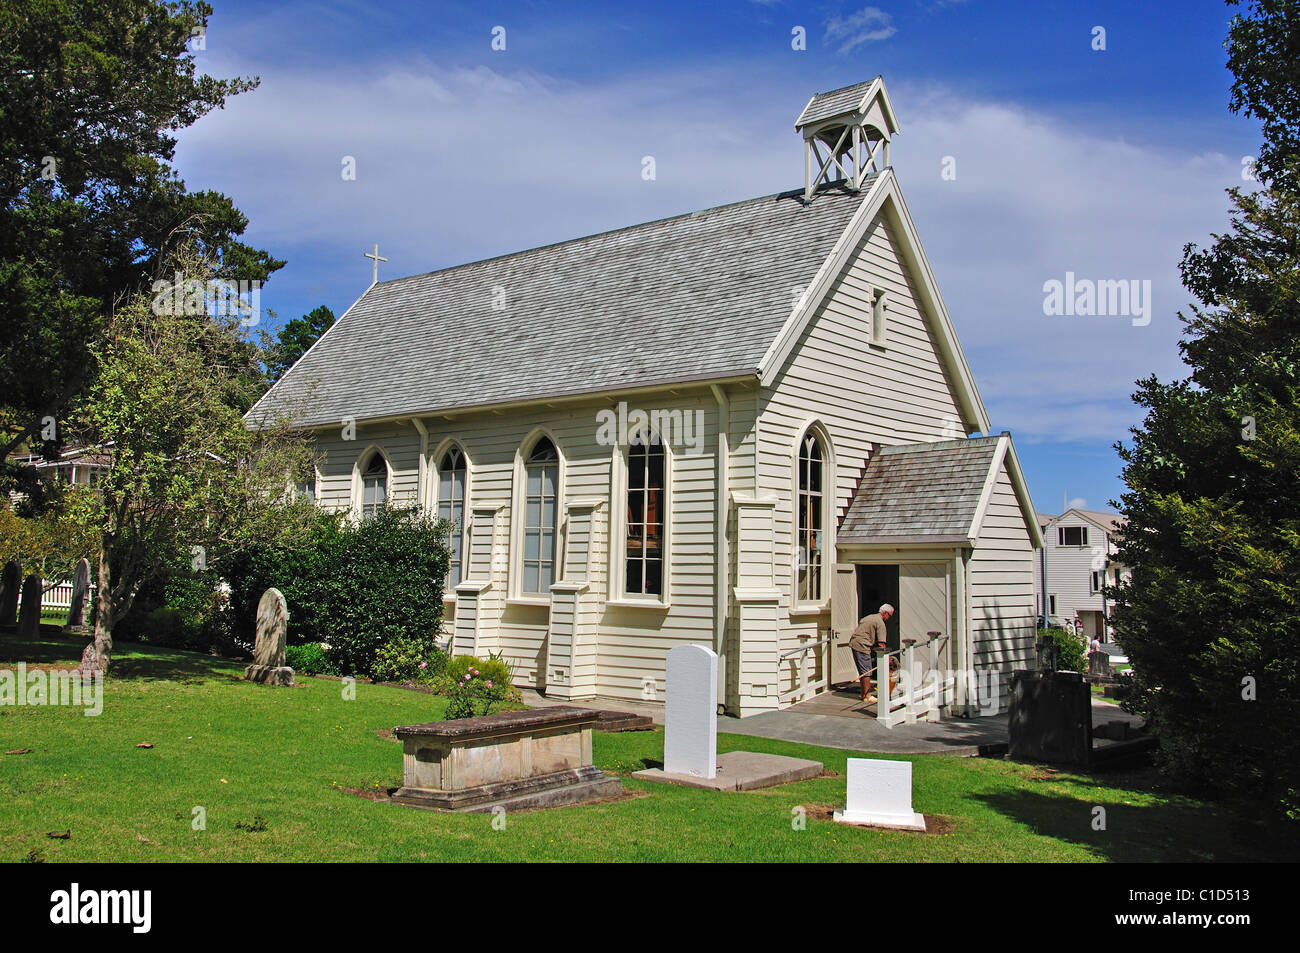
<point>268,652</point>
<point>80,590</point>
<point>10,582</point>
<point>691,712</point>
<point>880,795</point>
<point>29,619</point>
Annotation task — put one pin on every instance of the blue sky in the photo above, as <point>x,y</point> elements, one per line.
<point>1103,163</point>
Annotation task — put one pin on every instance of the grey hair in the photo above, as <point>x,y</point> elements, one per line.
<point>886,608</point>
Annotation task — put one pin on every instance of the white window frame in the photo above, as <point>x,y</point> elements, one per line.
<point>1060,537</point>
<point>519,517</point>
<point>618,526</point>
<point>829,484</point>
<point>435,469</point>
<point>364,459</point>
<point>1094,584</point>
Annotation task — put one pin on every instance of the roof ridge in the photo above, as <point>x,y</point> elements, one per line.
<point>861,82</point>
<point>924,445</point>
<point>791,193</point>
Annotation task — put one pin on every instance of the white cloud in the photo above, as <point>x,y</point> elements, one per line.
<point>459,164</point>
<point>866,26</point>
<point>1078,503</point>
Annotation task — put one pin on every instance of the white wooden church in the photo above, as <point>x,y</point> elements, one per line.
<point>743,427</point>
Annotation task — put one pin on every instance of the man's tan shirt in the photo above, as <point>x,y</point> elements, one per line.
<point>870,631</point>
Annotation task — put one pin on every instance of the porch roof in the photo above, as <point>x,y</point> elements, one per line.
<point>921,493</point>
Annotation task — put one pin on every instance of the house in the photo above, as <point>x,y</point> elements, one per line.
<point>738,427</point>
<point>1075,565</point>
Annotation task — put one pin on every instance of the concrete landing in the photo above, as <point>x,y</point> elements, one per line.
<point>742,771</point>
<point>840,720</point>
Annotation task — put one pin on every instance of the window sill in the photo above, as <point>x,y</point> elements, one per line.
<point>809,608</point>
<point>535,600</point>
<point>630,603</point>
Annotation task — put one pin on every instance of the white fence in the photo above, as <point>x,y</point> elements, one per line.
<point>59,596</point>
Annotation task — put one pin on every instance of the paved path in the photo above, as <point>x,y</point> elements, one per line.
<point>839,720</point>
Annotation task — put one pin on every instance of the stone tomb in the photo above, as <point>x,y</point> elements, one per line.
<point>515,759</point>
<point>880,795</point>
<point>691,734</point>
<point>268,653</point>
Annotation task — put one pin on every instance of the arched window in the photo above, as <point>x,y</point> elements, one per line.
<point>645,515</point>
<point>811,518</point>
<point>451,507</point>
<point>374,485</point>
<point>541,512</point>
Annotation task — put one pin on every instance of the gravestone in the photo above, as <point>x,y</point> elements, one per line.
<point>691,735</point>
<point>1050,718</point>
<point>1099,663</point>
<point>268,665</point>
<point>691,712</point>
<point>29,619</point>
<point>80,590</point>
<point>10,582</point>
<point>880,795</point>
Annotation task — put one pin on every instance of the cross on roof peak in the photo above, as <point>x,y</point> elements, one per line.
<point>374,273</point>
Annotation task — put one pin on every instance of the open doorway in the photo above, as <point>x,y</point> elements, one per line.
<point>876,586</point>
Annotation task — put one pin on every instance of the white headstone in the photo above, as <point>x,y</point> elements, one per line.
<point>880,794</point>
<point>691,712</point>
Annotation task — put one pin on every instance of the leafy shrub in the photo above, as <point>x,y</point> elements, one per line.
<point>407,659</point>
<point>178,608</point>
<point>473,685</point>
<point>309,659</point>
<point>355,586</point>
<point>1072,656</point>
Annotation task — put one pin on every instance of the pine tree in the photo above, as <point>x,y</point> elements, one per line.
<point>1211,618</point>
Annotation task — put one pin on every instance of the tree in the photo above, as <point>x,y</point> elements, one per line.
<point>294,340</point>
<point>91,94</point>
<point>1211,618</point>
<point>188,479</point>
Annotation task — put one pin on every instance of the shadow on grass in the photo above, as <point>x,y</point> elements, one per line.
<point>1176,830</point>
<point>131,660</point>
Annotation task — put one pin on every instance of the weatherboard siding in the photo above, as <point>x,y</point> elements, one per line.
<point>617,647</point>
<point>1001,579</point>
<point>860,393</point>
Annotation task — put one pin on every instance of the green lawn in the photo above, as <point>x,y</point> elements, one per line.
<point>270,768</point>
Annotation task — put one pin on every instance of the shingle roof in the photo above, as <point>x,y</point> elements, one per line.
<point>920,492</point>
<point>695,297</point>
<point>824,105</point>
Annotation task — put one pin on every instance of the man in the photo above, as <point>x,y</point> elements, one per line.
<point>869,636</point>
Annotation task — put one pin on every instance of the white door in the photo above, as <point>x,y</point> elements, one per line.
<point>923,607</point>
<point>844,619</point>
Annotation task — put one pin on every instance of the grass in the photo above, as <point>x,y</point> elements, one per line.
<point>271,769</point>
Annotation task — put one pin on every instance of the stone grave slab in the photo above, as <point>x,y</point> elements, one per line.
<point>516,760</point>
<point>741,771</point>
